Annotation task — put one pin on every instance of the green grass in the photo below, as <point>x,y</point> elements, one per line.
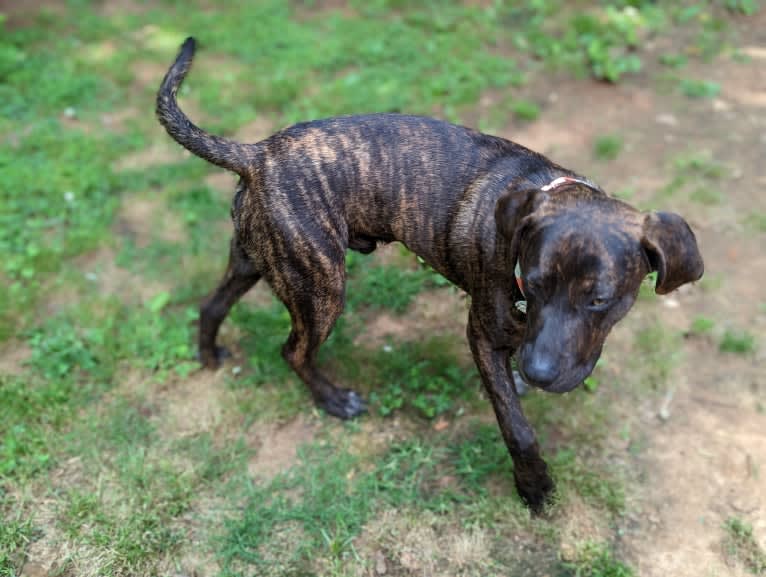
<point>659,350</point>
<point>700,88</point>
<point>596,560</point>
<point>607,147</point>
<point>15,536</point>
<point>317,508</point>
<point>756,221</point>
<point>387,287</point>
<point>323,502</point>
<point>525,110</point>
<point>740,342</point>
<point>740,546</point>
<point>707,196</point>
<point>421,376</point>
<point>701,325</point>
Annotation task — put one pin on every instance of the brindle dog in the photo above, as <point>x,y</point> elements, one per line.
<point>472,206</point>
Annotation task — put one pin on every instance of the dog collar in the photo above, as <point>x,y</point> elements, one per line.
<point>561,180</point>
<point>519,279</point>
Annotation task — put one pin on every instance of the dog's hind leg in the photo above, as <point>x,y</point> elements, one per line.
<point>240,276</point>
<point>315,304</point>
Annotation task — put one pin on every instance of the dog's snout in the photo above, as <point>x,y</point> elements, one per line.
<point>540,370</point>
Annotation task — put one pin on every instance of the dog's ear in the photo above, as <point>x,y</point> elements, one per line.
<point>671,249</point>
<point>513,206</point>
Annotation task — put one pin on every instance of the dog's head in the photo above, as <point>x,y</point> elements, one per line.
<point>583,256</point>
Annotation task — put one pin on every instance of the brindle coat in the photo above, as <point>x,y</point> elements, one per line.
<point>472,206</point>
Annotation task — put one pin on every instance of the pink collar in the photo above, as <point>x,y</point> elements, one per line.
<point>561,180</point>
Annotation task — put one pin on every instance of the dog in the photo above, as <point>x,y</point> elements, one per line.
<point>496,219</point>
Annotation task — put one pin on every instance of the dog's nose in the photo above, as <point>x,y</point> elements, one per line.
<point>540,371</point>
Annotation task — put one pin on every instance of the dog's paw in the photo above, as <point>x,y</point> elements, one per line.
<point>344,404</point>
<point>212,359</point>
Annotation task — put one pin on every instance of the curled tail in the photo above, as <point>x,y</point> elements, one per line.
<point>225,153</point>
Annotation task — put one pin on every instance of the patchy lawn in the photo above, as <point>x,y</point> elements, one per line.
<point>119,456</point>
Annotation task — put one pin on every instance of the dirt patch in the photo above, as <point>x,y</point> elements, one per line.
<point>143,219</point>
<point>703,465</point>
<point>194,404</point>
<point>400,542</point>
<point>20,14</point>
<point>431,313</point>
<point>162,151</point>
<point>256,130</point>
<point>579,523</point>
<point>13,355</point>
<point>222,182</point>
<point>277,445</point>
<point>101,268</point>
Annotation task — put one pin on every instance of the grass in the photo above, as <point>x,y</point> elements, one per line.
<point>597,560</point>
<point>700,88</point>
<point>659,352</point>
<point>698,175</point>
<point>756,221</point>
<point>421,376</point>
<point>525,110</point>
<point>701,325</point>
<point>105,307</point>
<point>741,547</point>
<point>740,342</point>
<point>15,535</point>
<point>607,147</point>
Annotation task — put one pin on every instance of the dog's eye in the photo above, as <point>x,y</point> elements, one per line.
<point>598,303</point>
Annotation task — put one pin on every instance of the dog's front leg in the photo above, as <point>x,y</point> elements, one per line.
<point>530,472</point>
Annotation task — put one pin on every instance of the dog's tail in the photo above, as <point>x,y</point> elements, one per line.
<point>225,153</point>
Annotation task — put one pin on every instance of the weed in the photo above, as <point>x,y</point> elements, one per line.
<point>700,88</point>
<point>707,195</point>
<point>702,325</point>
<point>742,6</point>
<point>213,460</point>
<point>304,506</point>
<point>481,456</point>
<point>593,484</point>
<point>647,289</point>
<point>740,546</point>
<point>525,110</point>
<point>422,375</point>
<point>673,60</point>
<point>15,535</point>
<point>134,525</point>
<point>592,382</point>
<point>607,147</point>
<point>265,331</point>
<point>659,353</point>
<point>385,286</point>
<point>700,165</point>
<point>606,42</point>
<point>756,221</point>
<point>740,342</point>
<point>596,560</point>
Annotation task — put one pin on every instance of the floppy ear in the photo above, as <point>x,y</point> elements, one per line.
<point>672,251</point>
<point>513,206</point>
